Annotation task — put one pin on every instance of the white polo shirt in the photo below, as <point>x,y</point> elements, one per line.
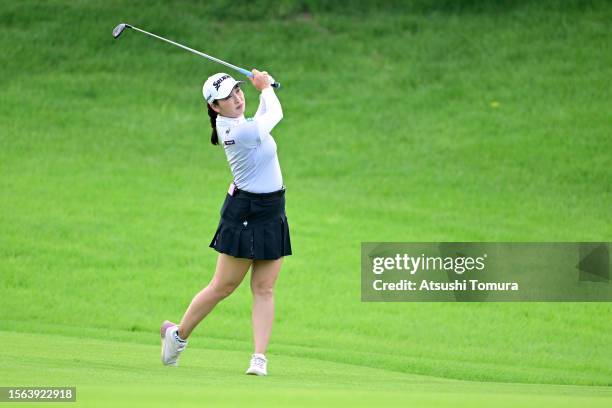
<point>250,148</point>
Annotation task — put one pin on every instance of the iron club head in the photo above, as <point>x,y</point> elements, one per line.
<point>119,29</point>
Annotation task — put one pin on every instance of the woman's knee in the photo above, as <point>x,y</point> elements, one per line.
<point>262,289</point>
<point>223,290</point>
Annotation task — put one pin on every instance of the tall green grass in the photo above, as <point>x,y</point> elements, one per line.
<point>402,123</point>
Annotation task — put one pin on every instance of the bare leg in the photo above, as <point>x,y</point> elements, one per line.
<point>263,279</point>
<point>229,273</point>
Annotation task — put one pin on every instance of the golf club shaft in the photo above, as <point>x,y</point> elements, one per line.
<point>227,64</point>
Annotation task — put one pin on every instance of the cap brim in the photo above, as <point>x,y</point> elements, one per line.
<point>228,89</point>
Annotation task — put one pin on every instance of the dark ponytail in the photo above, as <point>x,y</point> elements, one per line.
<point>214,138</point>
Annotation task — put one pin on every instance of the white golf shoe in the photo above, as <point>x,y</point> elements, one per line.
<point>171,345</point>
<point>259,365</point>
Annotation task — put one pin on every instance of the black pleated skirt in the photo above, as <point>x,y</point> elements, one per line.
<point>253,226</point>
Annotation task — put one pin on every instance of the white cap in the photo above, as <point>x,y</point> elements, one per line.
<point>218,86</point>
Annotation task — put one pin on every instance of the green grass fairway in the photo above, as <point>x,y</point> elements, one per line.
<point>129,374</point>
<point>419,121</point>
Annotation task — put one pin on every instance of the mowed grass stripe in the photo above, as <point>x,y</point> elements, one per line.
<point>457,363</point>
<point>131,375</point>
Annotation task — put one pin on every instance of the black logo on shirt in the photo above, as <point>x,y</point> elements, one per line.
<point>229,142</point>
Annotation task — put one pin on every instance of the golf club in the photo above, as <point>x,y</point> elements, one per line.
<point>119,29</point>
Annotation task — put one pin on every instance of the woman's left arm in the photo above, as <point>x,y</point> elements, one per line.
<point>269,112</point>
<point>272,112</point>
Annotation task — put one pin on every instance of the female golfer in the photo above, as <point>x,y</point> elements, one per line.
<point>253,230</point>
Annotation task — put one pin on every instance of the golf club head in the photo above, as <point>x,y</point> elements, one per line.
<point>119,29</point>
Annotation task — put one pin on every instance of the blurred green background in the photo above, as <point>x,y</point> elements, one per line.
<point>403,121</point>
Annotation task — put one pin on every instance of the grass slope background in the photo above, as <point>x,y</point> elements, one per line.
<point>435,121</point>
